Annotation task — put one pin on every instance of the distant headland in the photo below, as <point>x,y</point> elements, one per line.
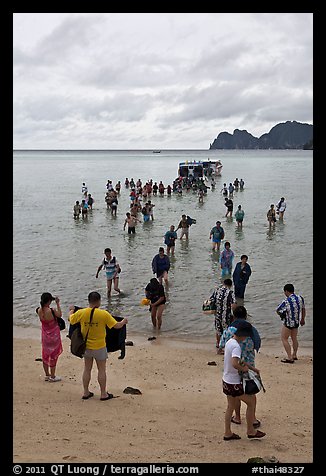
<point>286,135</point>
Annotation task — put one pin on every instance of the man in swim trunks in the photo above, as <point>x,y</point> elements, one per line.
<point>112,270</point>
<point>131,220</point>
<point>293,313</point>
<point>217,234</point>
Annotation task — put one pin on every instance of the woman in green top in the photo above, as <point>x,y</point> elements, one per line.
<point>239,214</point>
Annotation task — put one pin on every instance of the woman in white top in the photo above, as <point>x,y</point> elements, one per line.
<point>281,206</point>
<point>232,385</point>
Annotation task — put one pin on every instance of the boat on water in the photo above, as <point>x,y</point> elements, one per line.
<point>200,168</point>
<point>156,151</point>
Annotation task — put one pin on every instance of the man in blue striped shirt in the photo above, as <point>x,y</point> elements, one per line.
<point>292,312</point>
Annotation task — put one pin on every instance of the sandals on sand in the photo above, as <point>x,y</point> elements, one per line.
<point>90,395</point>
<point>233,420</point>
<point>287,361</point>
<point>109,396</point>
<point>256,424</point>
<point>258,434</point>
<point>54,379</point>
<point>234,436</point>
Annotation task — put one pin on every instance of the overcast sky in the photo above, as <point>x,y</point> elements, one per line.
<point>157,80</point>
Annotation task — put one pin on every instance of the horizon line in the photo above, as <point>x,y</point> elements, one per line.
<point>104,150</point>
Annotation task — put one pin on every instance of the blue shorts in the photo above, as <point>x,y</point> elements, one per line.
<point>216,240</point>
<point>110,275</point>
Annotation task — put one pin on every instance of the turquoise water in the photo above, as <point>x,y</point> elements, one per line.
<point>55,253</point>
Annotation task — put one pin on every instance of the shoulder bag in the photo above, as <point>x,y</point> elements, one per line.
<point>60,321</point>
<point>78,343</point>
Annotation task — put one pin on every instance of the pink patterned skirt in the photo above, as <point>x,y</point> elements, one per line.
<point>51,342</point>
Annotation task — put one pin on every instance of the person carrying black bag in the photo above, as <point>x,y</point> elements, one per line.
<point>95,330</point>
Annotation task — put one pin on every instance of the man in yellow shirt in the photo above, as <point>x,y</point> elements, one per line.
<point>96,343</point>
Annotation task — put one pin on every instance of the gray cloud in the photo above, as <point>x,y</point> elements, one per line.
<point>95,79</point>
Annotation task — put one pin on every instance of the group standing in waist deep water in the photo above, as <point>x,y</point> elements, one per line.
<point>237,341</point>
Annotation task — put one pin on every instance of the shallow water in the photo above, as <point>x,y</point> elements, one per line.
<point>55,253</point>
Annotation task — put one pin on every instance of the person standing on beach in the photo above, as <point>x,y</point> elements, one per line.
<point>217,234</point>
<point>232,385</point>
<point>161,266</point>
<point>51,338</point>
<point>241,275</point>
<point>169,240</point>
<point>239,214</point>
<point>184,225</point>
<point>131,220</point>
<point>112,270</point>
<point>223,298</point>
<point>280,208</point>
<point>155,293</point>
<point>226,259</point>
<point>248,347</point>
<point>96,341</point>
<point>293,313</point>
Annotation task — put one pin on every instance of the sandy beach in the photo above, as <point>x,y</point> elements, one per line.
<point>178,418</point>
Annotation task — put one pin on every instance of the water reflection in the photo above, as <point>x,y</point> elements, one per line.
<point>270,233</point>
<point>238,233</point>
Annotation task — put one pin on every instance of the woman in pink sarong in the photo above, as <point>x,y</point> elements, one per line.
<point>51,338</point>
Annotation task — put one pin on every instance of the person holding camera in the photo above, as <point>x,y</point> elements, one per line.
<point>51,338</point>
<point>112,270</point>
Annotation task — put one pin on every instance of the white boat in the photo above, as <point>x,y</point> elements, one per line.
<point>199,168</point>
<point>212,167</point>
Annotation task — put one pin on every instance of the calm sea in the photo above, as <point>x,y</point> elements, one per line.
<point>55,253</point>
